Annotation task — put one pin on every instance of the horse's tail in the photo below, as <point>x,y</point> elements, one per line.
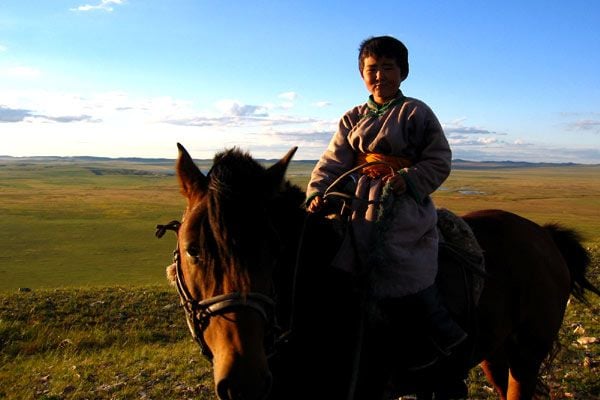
<point>576,257</point>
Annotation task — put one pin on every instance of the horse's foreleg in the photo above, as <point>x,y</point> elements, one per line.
<point>496,372</point>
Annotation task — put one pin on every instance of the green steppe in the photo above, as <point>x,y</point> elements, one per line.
<point>101,322</point>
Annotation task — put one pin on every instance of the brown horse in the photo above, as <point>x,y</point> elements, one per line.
<point>277,322</point>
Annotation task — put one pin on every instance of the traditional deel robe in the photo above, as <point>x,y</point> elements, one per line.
<point>396,240</point>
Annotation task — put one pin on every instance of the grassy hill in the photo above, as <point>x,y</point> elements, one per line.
<point>132,343</point>
<point>111,343</point>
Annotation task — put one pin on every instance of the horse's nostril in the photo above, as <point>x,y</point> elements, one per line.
<point>228,391</point>
<point>223,390</point>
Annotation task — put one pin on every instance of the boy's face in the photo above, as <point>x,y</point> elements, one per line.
<point>382,77</point>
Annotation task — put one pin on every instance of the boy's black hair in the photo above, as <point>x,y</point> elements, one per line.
<point>384,46</point>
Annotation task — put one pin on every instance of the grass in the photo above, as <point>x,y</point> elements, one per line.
<point>101,323</point>
<point>569,195</point>
<point>98,343</point>
<point>65,226</point>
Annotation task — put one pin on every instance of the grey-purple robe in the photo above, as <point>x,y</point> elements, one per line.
<point>400,243</point>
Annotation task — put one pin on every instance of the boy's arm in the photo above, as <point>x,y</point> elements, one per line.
<point>335,160</point>
<point>433,166</point>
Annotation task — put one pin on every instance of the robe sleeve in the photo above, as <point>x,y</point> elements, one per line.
<point>335,160</point>
<point>433,164</point>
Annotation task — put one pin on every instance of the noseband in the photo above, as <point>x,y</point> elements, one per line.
<point>199,313</point>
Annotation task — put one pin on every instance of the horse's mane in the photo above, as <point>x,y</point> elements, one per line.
<point>235,206</point>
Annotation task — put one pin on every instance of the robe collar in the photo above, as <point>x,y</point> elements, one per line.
<point>376,110</point>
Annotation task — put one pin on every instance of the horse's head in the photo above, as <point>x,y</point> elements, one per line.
<point>227,250</point>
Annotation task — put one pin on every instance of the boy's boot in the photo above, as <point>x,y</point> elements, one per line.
<point>443,330</point>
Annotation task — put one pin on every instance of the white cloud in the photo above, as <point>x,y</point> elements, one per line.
<point>582,121</point>
<point>231,122</point>
<point>107,106</point>
<point>289,96</point>
<point>458,127</point>
<point>117,124</point>
<point>530,153</point>
<point>487,140</point>
<point>105,5</point>
<point>236,108</point>
<point>585,125</point>
<point>3,48</point>
<point>20,72</point>
<point>8,115</point>
<point>322,104</point>
<point>286,105</point>
<point>288,100</point>
<point>470,141</point>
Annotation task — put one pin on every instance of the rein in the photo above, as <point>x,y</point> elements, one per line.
<point>329,192</point>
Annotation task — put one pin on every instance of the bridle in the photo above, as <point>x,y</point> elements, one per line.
<point>198,313</point>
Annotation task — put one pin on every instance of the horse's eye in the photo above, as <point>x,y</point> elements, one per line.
<point>193,251</point>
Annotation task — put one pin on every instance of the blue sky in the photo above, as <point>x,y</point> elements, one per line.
<point>509,80</point>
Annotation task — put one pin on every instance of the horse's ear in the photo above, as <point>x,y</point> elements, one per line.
<point>191,180</point>
<point>276,172</point>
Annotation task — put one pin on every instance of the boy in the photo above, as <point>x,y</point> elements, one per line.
<point>405,133</point>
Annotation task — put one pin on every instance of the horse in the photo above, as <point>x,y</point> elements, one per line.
<point>278,322</point>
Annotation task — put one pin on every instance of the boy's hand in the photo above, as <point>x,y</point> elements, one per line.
<point>315,204</point>
<point>397,182</point>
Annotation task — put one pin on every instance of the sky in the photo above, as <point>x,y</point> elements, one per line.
<point>508,80</point>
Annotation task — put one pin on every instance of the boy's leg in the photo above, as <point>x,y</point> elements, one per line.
<point>445,333</point>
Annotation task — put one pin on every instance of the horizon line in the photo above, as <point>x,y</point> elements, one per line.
<point>133,158</point>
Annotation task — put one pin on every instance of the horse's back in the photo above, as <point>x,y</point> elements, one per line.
<point>528,248</point>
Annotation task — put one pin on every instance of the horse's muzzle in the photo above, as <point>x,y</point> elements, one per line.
<point>233,389</point>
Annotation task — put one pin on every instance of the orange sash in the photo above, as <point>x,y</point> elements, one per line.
<point>392,163</point>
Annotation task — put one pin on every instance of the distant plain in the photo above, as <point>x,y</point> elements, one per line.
<point>78,223</point>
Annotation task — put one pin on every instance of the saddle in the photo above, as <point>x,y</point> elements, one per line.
<point>461,266</point>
